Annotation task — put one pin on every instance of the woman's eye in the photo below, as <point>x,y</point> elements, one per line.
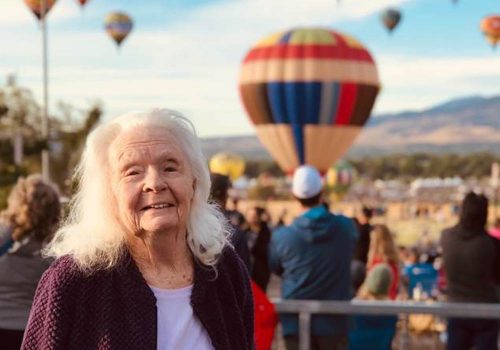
<point>131,173</point>
<point>170,168</point>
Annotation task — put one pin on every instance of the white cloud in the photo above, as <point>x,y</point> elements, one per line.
<point>411,82</point>
<point>193,64</point>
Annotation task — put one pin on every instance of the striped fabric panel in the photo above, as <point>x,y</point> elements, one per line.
<point>297,103</point>
<point>307,51</point>
<point>330,93</point>
<point>260,71</point>
<point>347,102</point>
<point>324,145</point>
<point>365,100</point>
<point>255,101</point>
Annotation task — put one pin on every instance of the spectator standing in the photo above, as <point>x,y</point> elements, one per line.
<point>374,332</point>
<point>219,194</point>
<point>313,255</point>
<point>258,227</point>
<point>29,222</point>
<point>471,262</point>
<point>383,250</point>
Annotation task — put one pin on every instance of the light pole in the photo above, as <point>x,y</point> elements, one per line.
<point>45,117</point>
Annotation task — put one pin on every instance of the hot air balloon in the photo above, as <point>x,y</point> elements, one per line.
<point>339,179</point>
<point>490,26</point>
<point>308,91</point>
<point>118,25</point>
<point>82,2</point>
<point>228,164</point>
<point>341,174</point>
<point>390,18</point>
<point>36,6</point>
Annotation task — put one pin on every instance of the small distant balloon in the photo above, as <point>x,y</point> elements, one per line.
<point>36,6</point>
<point>82,2</point>
<point>118,25</point>
<point>228,164</point>
<point>341,174</point>
<point>490,26</point>
<point>390,18</point>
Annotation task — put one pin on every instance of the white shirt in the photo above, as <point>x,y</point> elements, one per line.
<point>178,328</point>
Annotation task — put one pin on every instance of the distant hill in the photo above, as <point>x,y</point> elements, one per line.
<point>462,125</point>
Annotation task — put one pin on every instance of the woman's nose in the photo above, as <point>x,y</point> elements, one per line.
<point>153,181</point>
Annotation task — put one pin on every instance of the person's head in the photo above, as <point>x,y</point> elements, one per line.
<point>366,214</point>
<point>219,189</point>
<point>382,245</point>
<point>474,211</point>
<point>412,256</point>
<point>377,283</point>
<point>256,215</point>
<point>234,202</point>
<point>33,209</point>
<point>141,174</point>
<point>307,186</point>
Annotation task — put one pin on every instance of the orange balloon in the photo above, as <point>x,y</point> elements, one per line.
<point>490,26</point>
<point>36,7</point>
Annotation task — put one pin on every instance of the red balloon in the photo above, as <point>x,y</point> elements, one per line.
<point>36,7</point>
<point>82,2</point>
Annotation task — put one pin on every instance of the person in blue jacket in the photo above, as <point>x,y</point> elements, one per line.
<point>313,256</point>
<point>374,332</point>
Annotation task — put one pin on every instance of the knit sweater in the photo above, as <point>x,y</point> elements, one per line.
<point>116,309</point>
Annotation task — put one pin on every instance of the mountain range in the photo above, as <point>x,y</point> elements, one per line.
<point>463,125</point>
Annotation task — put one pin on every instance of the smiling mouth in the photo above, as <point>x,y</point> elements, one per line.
<point>158,206</point>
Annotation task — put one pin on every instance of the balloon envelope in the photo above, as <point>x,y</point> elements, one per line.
<point>82,2</point>
<point>118,25</point>
<point>228,164</point>
<point>490,26</point>
<point>390,18</point>
<point>308,91</point>
<point>341,174</point>
<point>36,7</point>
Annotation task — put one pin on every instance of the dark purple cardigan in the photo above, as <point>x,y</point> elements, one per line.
<point>116,309</point>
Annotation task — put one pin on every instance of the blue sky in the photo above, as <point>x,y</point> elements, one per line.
<point>185,54</point>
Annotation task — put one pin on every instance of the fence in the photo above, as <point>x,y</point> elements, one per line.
<point>305,308</point>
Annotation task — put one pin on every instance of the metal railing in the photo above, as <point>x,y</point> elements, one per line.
<point>305,308</point>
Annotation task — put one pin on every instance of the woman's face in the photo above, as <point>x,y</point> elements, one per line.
<point>151,181</point>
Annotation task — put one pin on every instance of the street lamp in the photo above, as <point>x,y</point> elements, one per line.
<point>41,8</point>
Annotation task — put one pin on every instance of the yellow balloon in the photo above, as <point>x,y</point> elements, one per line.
<point>228,164</point>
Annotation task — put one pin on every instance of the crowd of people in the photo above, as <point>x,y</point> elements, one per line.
<point>149,256</point>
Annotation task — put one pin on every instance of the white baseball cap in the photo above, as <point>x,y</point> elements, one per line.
<point>306,182</point>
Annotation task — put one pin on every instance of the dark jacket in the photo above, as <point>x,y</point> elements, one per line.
<point>471,261</point>
<point>238,240</point>
<point>21,267</point>
<point>313,256</point>
<point>260,269</point>
<point>116,309</point>
<point>363,242</point>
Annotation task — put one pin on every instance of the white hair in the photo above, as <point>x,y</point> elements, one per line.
<point>91,233</point>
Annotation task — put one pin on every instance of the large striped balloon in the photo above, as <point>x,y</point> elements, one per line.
<point>309,91</point>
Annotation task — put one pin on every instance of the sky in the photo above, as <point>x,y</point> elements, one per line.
<point>186,54</point>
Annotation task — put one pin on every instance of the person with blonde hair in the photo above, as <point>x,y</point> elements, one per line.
<point>26,225</point>
<point>143,260</point>
<point>383,250</point>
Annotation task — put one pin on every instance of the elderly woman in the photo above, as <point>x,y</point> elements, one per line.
<point>26,225</point>
<point>143,260</point>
